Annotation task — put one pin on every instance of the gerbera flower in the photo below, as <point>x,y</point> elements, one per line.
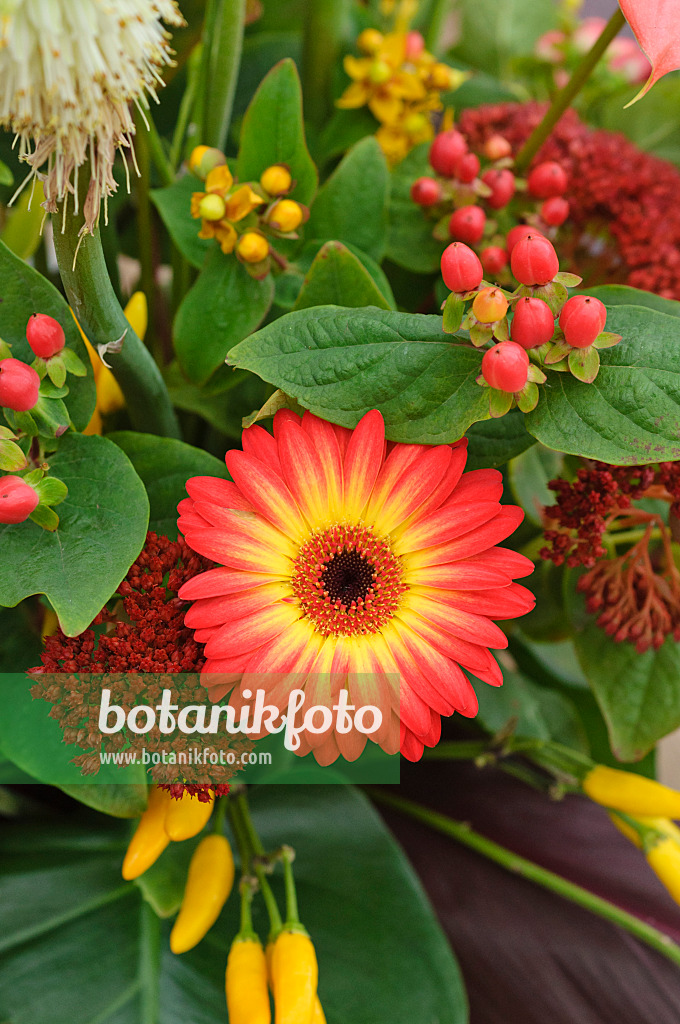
<point>349,562</point>
<point>69,70</point>
<point>221,206</point>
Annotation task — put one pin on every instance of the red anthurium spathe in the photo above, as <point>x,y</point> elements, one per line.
<point>656,26</point>
<point>346,562</point>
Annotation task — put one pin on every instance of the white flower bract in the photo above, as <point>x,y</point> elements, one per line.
<point>69,71</point>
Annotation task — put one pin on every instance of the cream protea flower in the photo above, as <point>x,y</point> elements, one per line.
<point>351,563</point>
<point>69,70</point>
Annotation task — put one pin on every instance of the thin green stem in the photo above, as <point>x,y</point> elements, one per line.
<point>144,226</point>
<point>159,157</point>
<point>223,47</point>
<point>566,96</point>
<point>93,300</point>
<point>630,536</point>
<point>246,930</point>
<point>457,750</point>
<point>245,853</point>
<point>439,14</point>
<point>220,815</point>
<point>462,833</point>
<point>255,844</point>
<point>323,33</point>
<point>292,913</point>
<point>186,107</point>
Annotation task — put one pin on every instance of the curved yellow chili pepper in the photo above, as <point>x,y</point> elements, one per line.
<point>209,882</point>
<point>295,974</point>
<point>150,838</point>
<point>664,860</point>
<point>631,793</point>
<point>246,982</point>
<point>318,1016</point>
<point>187,817</point>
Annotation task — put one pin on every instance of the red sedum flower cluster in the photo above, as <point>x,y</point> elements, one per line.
<point>612,185</point>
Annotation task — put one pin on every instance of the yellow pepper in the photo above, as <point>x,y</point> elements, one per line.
<point>209,882</point>
<point>664,860</point>
<point>187,817</point>
<point>150,838</point>
<point>663,825</point>
<point>295,975</point>
<point>631,793</point>
<point>318,1016</point>
<point>246,982</point>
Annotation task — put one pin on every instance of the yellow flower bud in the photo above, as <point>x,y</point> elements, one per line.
<point>209,882</point>
<point>664,860</point>
<point>286,216</point>
<point>380,72</point>
<point>246,983</point>
<point>276,180</point>
<point>370,40</point>
<point>150,838</point>
<point>212,207</point>
<point>187,817</point>
<point>252,247</point>
<point>631,793</point>
<point>415,123</point>
<point>205,159</point>
<point>440,77</point>
<point>196,156</point>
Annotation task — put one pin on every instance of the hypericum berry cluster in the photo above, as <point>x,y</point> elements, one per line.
<point>489,202</point>
<point>527,341</point>
<point>33,408</point>
<point>624,219</point>
<point>243,218</point>
<point>636,593</point>
<point>401,84</point>
<point>142,631</point>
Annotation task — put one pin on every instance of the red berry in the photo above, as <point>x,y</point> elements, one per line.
<point>502,185</point>
<point>533,323</point>
<point>461,268</point>
<point>582,319</point>
<point>494,259</point>
<point>496,147</point>
<point>467,224</point>
<point>426,191</point>
<point>467,168</point>
<point>534,260</point>
<point>45,335</point>
<point>415,44</point>
<point>514,235</point>
<point>505,366</point>
<point>555,211</point>
<point>490,305</point>
<point>17,499</point>
<point>547,179</point>
<point>445,151</point>
<point>19,385</point>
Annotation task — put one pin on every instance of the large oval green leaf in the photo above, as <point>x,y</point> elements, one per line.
<point>102,526</point>
<point>381,952</point>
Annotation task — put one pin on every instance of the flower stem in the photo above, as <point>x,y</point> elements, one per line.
<point>257,850</point>
<point>321,45</point>
<point>566,96</point>
<point>160,159</point>
<point>147,279</point>
<point>439,13</point>
<point>222,44</point>
<point>462,833</point>
<point>93,300</point>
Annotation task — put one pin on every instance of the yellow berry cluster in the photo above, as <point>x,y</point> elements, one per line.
<point>401,83</point>
<point>242,217</point>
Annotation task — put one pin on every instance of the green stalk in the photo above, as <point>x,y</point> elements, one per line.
<point>462,833</point>
<point>222,45</point>
<point>441,9</point>
<point>321,46</point>
<point>160,159</point>
<point>257,850</point>
<point>93,300</point>
<point>147,279</point>
<point>186,107</point>
<point>566,96</point>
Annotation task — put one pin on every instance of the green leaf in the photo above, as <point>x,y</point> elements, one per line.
<point>529,475</point>
<point>304,260</point>
<point>336,277</point>
<point>638,694</point>
<point>631,413</point>
<point>23,227</point>
<point>340,363</point>
<point>352,205</point>
<point>174,206</point>
<point>623,295</point>
<point>343,130</point>
<point>24,291</point>
<point>533,711</point>
<point>410,243</point>
<point>164,466</point>
<point>273,132</point>
<point>492,443</point>
<point>491,33</point>
<point>224,306</point>
<point>120,800</point>
<point>61,894</point>
<point>584,363</point>
<point>223,402</point>
<point>102,529</point>
<point>6,176</point>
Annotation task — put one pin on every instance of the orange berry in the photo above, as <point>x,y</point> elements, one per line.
<point>252,247</point>
<point>369,40</point>
<point>490,305</point>
<point>276,180</point>
<point>286,216</point>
